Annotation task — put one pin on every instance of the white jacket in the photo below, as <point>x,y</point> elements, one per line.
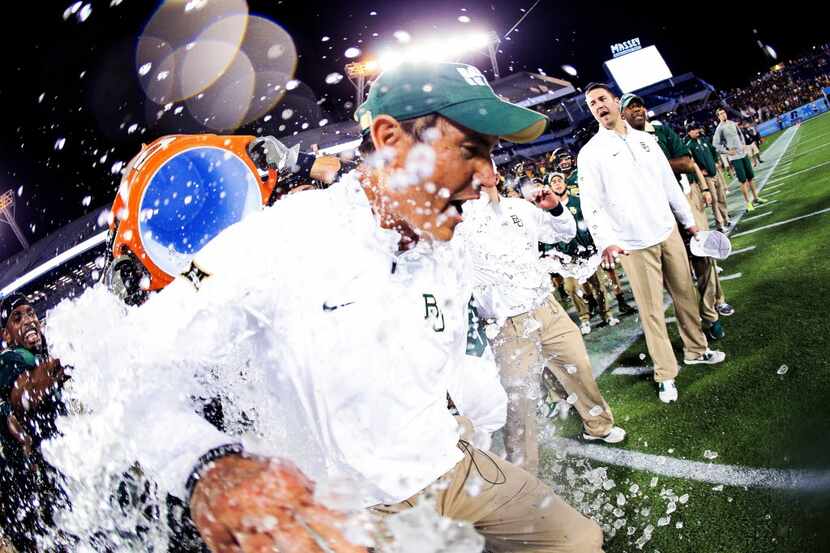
<point>343,364</point>
<point>502,241</point>
<point>630,196</point>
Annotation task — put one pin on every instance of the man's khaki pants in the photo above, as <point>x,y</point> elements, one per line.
<point>648,271</point>
<point>598,285</point>
<point>526,344</point>
<point>706,270</point>
<point>577,294</point>
<point>718,191</point>
<point>510,507</point>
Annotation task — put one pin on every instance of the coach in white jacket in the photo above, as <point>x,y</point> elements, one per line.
<point>513,292</point>
<point>630,199</point>
<point>346,308</point>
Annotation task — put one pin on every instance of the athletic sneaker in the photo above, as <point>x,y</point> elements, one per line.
<point>667,391</point>
<point>612,321</point>
<point>714,331</point>
<point>760,201</point>
<point>708,357</point>
<point>615,436</point>
<point>750,207</point>
<point>585,327</point>
<point>725,309</point>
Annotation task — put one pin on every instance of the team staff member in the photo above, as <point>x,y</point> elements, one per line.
<point>729,140</point>
<point>753,143</point>
<point>376,332</point>
<point>702,154</point>
<point>708,282</point>
<point>30,401</point>
<point>513,291</point>
<point>630,199</point>
<point>580,248</point>
<point>566,165</point>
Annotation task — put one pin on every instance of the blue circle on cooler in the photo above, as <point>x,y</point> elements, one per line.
<point>191,198</point>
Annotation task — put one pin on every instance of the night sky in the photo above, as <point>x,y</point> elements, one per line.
<point>76,80</point>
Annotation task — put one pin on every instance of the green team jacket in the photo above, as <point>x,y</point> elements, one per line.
<point>702,155</point>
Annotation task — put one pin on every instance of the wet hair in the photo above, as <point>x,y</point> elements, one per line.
<point>416,127</point>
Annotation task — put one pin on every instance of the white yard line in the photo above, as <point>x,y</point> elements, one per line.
<point>779,223</point>
<point>773,194</point>
<point>731,277</point>
<point>729,475</point>
<point>745,219</point>
<point>742,250</point>
<point>633,371</point>
<point>802,171</point>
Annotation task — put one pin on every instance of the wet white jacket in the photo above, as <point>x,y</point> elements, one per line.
<point>502,241</point>
<point>630,196</point>
<point>339,349</point>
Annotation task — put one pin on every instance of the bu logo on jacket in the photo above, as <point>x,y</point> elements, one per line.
<point>645,146</point>
<point>431,310</point>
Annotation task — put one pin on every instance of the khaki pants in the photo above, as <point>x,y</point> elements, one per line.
<point>718,191</point>
<point>705,268</point>
<point>648,271</point>
<point>598,286</point>
<point>576,293</point>
<point>526,344</point>
<point>511,508</point>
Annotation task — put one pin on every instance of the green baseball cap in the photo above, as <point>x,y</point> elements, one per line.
<point>457,91</point>
<point>628,98</point>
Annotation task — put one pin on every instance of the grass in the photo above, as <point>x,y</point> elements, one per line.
<point>742,409</point>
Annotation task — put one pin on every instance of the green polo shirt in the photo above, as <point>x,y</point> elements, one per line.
<point>572,182</point>
<point>669,141</point>
<point>702,155</point>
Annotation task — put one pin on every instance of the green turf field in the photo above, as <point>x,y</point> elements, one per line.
<point>766,407</point>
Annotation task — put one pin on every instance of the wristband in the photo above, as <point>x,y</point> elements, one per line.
<point>558,210</point>
<point>205,460</point>
<point>304,165</point>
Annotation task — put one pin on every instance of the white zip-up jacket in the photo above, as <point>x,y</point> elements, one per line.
<point>630,196</point>
<point>340,350</point>
<point>502,240</point>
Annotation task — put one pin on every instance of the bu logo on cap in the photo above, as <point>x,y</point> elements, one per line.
<point>472,75</point>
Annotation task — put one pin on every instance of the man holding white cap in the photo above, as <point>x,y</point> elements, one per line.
<point>630,199</point>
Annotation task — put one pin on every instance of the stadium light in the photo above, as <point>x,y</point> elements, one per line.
<point>444,49</point>
<point>452,48</point>
<point>7,216</point>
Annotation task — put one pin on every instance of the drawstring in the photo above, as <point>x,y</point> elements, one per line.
<point>500,479</point>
